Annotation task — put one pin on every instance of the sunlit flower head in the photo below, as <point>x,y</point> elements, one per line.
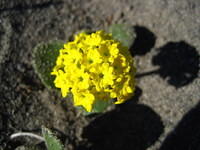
<point>95,67</point>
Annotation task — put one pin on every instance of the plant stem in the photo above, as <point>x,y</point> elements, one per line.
<point>15,135</point>
<point>147,73</point>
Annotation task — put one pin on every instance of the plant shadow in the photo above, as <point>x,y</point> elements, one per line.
<point>144,42</point>
<point>128,126</point>
<point>178,63</point>
<point>186,136</point>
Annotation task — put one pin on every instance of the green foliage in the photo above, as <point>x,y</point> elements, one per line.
<point>98,107</point>
<point>123,33</point>
<point>51,141</point>
<point>44,59</point>
<point>101,105</point>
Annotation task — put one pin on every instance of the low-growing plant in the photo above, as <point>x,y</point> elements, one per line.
<point>96,68</point>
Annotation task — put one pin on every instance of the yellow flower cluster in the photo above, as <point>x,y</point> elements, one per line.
<point>94,67</point>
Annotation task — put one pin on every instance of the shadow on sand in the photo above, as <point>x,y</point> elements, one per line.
<point>179,63</point>
<point>186,136</point>
<point>144,42</point>
<point>129,126</point>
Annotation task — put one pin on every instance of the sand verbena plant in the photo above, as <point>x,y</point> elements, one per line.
<point>95,67</point>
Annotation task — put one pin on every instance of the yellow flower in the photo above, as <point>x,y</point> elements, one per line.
<point>83,98</point>
<point>95,67</point>
<point>107,75</point>
<point>81,80</point>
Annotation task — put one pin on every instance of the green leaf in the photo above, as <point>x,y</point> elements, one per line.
<point>44,59</point>
<point>101,105</point>
<point>51,141</point>
<point>123,33</point>
<point>98,107</point>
